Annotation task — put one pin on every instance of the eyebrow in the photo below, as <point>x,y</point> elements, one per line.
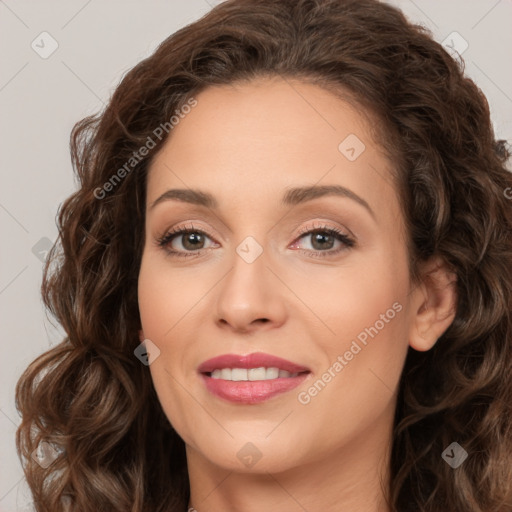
<point>292,196</point>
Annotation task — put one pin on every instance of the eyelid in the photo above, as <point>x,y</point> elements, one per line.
<point>323,225</point>
<point>179,228</point>
<point>317,225</point>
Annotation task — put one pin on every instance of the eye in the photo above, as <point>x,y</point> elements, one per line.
<point>323,239</point>
<point>184,241</point>
<point>189,241</point>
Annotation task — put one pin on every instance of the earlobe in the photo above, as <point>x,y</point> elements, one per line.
<point>435,305</point>
<point>141,335</point>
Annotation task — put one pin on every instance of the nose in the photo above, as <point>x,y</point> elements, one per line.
<point>250,297</point>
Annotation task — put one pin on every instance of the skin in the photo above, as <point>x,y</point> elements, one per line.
<point>246,145</point>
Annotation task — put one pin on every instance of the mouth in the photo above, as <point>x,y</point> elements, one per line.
<point>251,379</point>
<point>252,374</point>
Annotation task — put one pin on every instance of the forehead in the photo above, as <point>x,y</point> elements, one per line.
<point>269,114</point>
<point>250,141</point>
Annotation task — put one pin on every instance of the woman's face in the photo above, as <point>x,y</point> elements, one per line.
<point>250,277</point>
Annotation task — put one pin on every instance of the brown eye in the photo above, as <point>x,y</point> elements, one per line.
<point>191,240</point>
<point>323,241</point>
<point>184,241</point>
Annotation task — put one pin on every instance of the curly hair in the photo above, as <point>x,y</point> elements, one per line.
<point>92,397</point>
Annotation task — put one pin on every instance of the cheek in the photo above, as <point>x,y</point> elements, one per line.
<point>354,390</point>
<point>348,300</point>
<point>166,297</point>
<point>363,309</point>
<point>166,304</point>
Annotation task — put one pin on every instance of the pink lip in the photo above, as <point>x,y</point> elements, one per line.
<point>254,360</point>
<point>251,392</point>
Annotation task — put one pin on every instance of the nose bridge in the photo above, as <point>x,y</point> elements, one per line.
<point>250,291</point>
<point>247,282</point>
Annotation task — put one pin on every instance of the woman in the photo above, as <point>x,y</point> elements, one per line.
<point>217,356</point>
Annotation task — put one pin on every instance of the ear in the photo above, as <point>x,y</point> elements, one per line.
<point>141,335</point>
<point>434,302</point>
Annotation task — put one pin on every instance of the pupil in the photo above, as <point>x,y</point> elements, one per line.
<point>192,239</point>
<point>319,237</point>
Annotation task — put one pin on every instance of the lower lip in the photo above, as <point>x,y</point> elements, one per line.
<point>251,392</point>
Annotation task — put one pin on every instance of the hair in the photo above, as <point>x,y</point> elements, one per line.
<point>90,396</point>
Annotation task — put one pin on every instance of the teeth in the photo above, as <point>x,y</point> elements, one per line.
<point>256,374</point>
<point>251,374</point>
<point>217,374</point>
<point>238,374</point>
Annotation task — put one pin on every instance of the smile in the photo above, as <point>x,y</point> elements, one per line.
<point>252,378</point>
<point>251,374</point>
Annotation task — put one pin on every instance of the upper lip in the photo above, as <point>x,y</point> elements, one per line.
<point>254,360</point>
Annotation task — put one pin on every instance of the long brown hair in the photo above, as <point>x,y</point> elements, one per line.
<point>93,398</point>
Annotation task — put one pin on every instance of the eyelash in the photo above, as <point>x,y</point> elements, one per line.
<point>348,242</point>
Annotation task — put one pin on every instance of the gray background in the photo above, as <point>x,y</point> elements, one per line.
<point>41,99</point>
